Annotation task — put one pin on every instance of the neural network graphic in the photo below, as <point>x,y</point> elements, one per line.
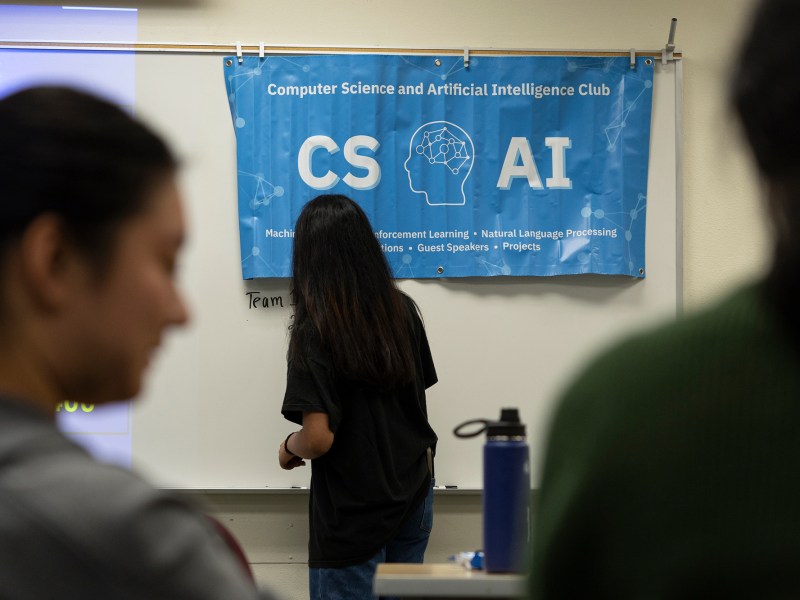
<point>440,158</point>
<point>441,146</point>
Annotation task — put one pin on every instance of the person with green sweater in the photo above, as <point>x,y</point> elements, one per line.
<point>672,467</point>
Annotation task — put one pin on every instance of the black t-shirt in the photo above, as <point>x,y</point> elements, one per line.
<point>376,471</point>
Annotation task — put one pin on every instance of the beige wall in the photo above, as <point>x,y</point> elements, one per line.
<point>724,238</point>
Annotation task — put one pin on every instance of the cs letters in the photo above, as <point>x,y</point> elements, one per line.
<point>351,147</point>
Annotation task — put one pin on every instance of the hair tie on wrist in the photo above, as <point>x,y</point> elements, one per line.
<point>286,444</point>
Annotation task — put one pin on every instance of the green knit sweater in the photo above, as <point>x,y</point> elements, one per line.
<point>673,466</point>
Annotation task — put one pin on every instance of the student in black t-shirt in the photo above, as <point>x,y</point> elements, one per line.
<point>358,367</point>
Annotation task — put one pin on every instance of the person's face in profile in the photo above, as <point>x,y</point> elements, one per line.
<point>125,310</point>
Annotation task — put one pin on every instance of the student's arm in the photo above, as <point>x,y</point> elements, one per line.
<point>312,441</point>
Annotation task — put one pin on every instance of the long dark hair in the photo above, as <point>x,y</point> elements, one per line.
<point>83,159</point>
<point>344,294</point>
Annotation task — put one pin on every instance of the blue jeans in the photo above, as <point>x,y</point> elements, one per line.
<point>355,582</point>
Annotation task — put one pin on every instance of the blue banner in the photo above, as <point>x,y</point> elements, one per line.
<point>512,166</point>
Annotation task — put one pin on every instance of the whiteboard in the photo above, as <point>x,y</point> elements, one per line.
<point>209,417</point>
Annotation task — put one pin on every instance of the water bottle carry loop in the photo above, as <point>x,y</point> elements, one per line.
<point>459,433</point>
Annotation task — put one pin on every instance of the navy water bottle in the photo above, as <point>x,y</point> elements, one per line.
<point>506,491</point>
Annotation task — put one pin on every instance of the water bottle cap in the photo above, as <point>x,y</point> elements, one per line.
<point>508,425</point>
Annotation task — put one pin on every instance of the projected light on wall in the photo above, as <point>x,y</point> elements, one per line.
<point>104,430</point>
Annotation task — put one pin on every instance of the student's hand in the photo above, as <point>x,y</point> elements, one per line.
<point>287,461</point>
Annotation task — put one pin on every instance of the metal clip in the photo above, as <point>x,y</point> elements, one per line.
<point>466,58</point>
<point>633,58</point>
<point>239,52</point>
<point>666,53</point>
<point>260,49</point>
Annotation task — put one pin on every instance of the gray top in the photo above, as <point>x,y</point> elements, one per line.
<point>71,527</point>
